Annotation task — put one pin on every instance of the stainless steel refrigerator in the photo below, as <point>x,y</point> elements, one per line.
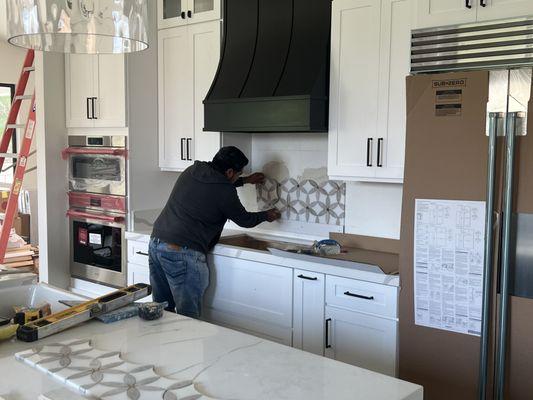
<point>469,138</point>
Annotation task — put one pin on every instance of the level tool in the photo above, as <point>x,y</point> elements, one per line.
<point>62,320</point>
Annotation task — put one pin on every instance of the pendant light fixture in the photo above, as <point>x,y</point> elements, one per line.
<point>78,26</point>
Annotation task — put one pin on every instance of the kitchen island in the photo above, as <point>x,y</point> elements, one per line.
<point>222,363</point>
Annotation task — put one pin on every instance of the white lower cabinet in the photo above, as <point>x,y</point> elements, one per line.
<point>139,274</point>
<point>308,311</point>
<point>252,297</point>
<point>345,319</point>
<point>363,340</point>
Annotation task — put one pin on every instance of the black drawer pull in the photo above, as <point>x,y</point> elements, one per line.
<point>142,254</point>
<point>308,278</point>
<point>467,4</point>
<point>183,15</point>
<point>328,345</point>
<point>189,14</point>
<point>359,296</point>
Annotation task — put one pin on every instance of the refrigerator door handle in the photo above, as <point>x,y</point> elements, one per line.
<point>490,217</point>
<point>501,340</point>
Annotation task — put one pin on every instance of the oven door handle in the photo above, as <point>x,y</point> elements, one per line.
<point>104,218</point>
<point>99,151</point>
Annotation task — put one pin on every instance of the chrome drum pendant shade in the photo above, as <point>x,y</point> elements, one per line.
<point>78,26</point>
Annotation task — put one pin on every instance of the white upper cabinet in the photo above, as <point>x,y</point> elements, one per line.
<point>175,105</point>
<point>80,89</point>
<point>188,60</point>
<point>370,51</point>
<point>354,87</point>
<point>95,91</point>
<point>397,18</point>
<point>496,9</point>
<point>433,13</point>
<point>110,104</point>
<point>184,12</point>
<point>445,12</point>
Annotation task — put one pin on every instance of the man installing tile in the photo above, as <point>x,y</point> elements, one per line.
<point>203,199</point>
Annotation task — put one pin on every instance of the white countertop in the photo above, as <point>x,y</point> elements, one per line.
<point>223,364</point>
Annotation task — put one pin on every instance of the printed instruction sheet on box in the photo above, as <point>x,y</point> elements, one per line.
<point>448,263</point>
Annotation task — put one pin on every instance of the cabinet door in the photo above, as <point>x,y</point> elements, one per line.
<point>354,88</point>
<point>171,13</point>
<point>498,9</point>
<point>175,98</point>
<point>110,104</point>
<point>308,312</point>
<point>80,75</point>
<point>139,274</point>
<point>205,53</point>
<point>204,10</point>
<point>250,296</point>
<point>396,23</point>
<point>433,13</point>
<point>363,340</point>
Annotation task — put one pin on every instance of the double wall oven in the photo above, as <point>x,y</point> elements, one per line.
<point>97,211</point>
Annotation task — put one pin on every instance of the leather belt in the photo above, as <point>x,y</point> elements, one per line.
<point>174,246</point>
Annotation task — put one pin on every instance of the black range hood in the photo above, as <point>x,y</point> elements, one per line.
<point>273,74</point>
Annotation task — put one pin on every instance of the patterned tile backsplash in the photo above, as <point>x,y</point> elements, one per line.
<point>307,200</point>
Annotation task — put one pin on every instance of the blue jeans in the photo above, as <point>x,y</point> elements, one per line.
<point>179,277</point>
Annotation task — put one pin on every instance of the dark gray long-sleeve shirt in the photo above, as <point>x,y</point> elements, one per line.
<point>201,202</point>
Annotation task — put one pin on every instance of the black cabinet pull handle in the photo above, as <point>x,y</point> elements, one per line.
<point>483,4</point>
<point>308,278</point>
<point>142,254</point>
<point>182,149</point>
<point>189,141</point>
<point>369,152</point>
<point>88,112</point>
<point>467,4</point>
<point>183,15</point>
<point>189,14</point>
<point>93,102</point>
<point>380,150</point>
<point>328,345</point>
<point>359,296</point>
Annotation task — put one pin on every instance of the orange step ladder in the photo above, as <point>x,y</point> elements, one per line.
<point>22,156</point>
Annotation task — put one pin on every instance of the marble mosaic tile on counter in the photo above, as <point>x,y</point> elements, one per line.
<point>105,375</point>
<point>307,200</point>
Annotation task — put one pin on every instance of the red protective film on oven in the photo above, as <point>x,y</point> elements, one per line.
<point>105,202</point>
<point>83,236</point>
<point>103,151</point>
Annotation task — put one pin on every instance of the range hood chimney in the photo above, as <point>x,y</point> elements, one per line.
<point>273,74</point>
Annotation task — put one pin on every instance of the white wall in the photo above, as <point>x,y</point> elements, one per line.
<point>51,138</point>
<point>149,188</point>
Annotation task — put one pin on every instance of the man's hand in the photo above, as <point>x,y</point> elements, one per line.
<point>255,179</point>
<point>273,215</point>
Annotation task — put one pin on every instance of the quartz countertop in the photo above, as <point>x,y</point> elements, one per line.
<point>223,364</point>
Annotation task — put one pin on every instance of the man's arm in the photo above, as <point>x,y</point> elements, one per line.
<point>233,209</point>
<point>254,179</point>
